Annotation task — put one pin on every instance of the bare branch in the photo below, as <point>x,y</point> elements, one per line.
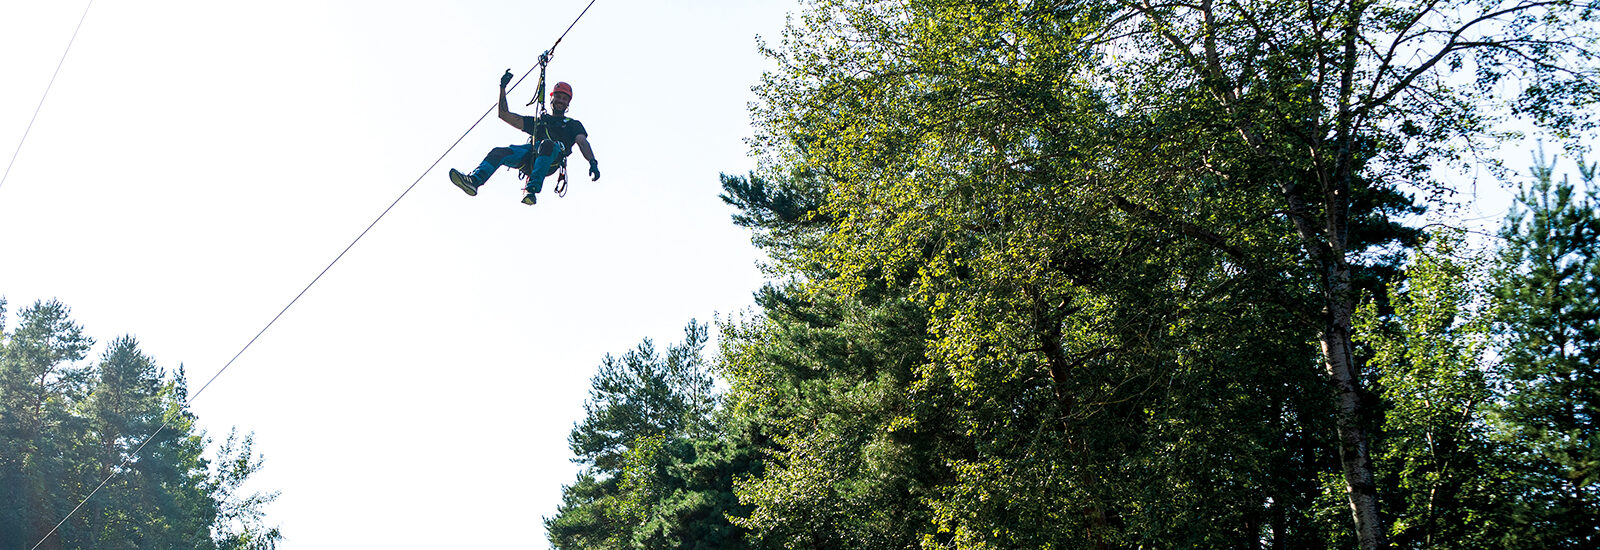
<point>1450,46</point>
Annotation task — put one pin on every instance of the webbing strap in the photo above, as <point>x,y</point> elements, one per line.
<point>538,94</point>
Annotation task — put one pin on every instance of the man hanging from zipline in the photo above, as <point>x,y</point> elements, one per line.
<point>553,136</point>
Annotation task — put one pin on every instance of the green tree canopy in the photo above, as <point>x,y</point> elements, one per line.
<point>1548,317</point>
<point>66,427</point>
<point>1120,218</point>
<point>658,473</point>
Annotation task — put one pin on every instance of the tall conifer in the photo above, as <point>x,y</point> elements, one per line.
<point>1548,317</point>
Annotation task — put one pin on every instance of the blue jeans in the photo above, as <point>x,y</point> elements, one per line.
<point>546,163</point>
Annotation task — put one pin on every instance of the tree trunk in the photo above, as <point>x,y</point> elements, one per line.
<point>1327,246</point>
<point>1340,364</point>
<point>1049,330</point>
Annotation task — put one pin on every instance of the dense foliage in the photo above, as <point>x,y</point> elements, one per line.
<point>66,426</point>
<point>655,473</point>
<point>1090,274</point>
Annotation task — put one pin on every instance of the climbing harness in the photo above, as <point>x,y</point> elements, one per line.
<point>539,148</point>
<point>538,97</point>
<point>525,172</point>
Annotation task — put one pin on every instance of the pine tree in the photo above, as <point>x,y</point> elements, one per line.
<point>39,386</point>
<point>657,473</point>
<point>1548,317</point>
<point>66,427</point>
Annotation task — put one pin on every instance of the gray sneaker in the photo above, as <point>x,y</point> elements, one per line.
<point>465,182</point>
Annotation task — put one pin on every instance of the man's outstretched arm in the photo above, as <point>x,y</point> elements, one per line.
<point>515,120</point>
<point>582,141</point>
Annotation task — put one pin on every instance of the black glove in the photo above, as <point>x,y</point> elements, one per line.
<point>506,78</point>
<point>594,170</point>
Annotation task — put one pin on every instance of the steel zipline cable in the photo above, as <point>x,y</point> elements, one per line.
<point>52,83</point>
<point>196,395</point>
<point>544,59</point>
<point>574,24</point>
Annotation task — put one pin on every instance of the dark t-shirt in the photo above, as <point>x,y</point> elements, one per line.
<point>559,128</point>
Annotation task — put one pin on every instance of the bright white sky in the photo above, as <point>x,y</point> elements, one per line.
<point>198,162</point>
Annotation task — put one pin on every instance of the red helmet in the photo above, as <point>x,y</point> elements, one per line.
<point>562,88</point>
